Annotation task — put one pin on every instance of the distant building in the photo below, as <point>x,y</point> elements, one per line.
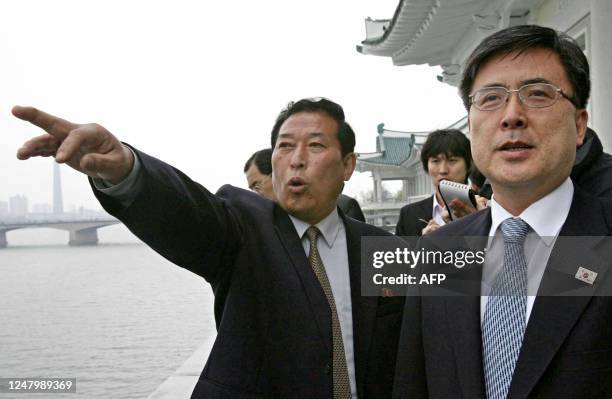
<point>58,201</point>
<point>397,158</point>
<point>18,206</point>
<point>4,209</point>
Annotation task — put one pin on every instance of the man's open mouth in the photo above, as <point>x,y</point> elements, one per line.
<point>515,146</point>
<point>296,184</point>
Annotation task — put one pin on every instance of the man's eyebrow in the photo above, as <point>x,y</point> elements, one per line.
<point>534,80</point>
<point>494,84</point>
<point>521,83</point>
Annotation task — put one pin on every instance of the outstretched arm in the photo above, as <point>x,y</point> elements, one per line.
<point>177,217</point>
<point>88,148</point>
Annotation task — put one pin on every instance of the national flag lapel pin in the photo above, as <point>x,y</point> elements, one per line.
<point>586,275</point>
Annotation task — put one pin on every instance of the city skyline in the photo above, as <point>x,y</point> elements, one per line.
<point>18,204</point>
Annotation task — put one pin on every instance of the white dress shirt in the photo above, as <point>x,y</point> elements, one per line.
<point>331,244</point>
<point>545,218</point>
<point>436,213</point>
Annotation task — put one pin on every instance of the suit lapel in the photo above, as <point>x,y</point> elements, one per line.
<point>427,208</point>
<point>425,212</point>
<point>295,252</point>
<point>463,318</point>
<point>364,307</point>
<point>553,317</point>
<point>463,315</point>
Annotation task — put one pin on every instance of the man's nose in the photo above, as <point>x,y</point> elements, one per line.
<point>443,168</point>
<point>298,157</point>
<point>514,113</point>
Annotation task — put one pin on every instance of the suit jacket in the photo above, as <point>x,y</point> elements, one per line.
<point>409,224</point>
<point>592,170</point>
<point>567,347</point>
<point>350,207</point>
<point>274,335</point>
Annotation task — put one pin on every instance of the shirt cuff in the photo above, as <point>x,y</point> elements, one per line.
<point>126,190</point>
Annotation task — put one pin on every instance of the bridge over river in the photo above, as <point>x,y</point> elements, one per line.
<point>82,226</point>
<point>83,229</point>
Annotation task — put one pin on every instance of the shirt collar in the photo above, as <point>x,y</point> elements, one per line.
<point>545,216</point>
<point>436,204</point>
<point>329,227</point>
<point>437,211</point>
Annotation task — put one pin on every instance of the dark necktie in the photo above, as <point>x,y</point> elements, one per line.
<point>342,387</point>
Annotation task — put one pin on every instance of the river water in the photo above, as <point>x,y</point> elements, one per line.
<point>116,316</point>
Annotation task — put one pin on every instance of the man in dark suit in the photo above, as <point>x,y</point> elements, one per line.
<point>286,275</point>
<point>445,155</point>
<point>258,172</point>
<point>350,207</point>
<point>526,90</point>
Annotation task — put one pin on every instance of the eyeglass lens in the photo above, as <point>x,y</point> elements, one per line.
<point>538,95</point>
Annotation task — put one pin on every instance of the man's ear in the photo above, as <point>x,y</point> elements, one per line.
<point>582,118</point>
<point>349,161</point>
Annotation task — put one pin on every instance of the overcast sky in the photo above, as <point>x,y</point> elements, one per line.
<point>198,83</point>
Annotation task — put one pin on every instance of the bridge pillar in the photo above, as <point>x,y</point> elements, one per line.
<point>3,242</point>
<point>84,237</point>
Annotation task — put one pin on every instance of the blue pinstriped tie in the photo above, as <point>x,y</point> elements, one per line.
<point>504,320</point>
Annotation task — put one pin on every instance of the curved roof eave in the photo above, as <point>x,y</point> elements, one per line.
<point>395,36</point>
<point>432,32</point>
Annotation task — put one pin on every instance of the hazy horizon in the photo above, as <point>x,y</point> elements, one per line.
<point>198,85</point>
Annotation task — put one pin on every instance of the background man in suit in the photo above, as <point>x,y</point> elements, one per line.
<point>258,172</point>
<point>350,207</point>
<point>286,275</point>
<point>445,155</point>
<point>526,89</point>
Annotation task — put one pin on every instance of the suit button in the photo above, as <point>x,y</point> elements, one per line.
<point>327,368</point>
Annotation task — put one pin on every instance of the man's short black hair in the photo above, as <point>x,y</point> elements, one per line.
<point>526,37</point>
<point>450,142</point>
<point>345,133</point>
<point>262,159</point>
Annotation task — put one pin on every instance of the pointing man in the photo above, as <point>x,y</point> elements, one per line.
<point>286,275</point>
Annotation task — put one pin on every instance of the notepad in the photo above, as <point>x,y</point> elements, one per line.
<point>449,190</point>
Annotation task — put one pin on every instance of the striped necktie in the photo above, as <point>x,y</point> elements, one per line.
<point>504,319</point>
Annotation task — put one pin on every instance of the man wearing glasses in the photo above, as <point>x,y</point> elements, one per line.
<point>526,89</point>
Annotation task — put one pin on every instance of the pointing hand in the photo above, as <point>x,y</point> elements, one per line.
<point>88,148</point>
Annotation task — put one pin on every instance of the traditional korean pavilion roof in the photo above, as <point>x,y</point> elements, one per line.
<point>393,148</point>
<point>396,148</point>
<point>440,32</point>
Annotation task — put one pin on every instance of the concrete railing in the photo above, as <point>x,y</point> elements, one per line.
<point>181,383</point>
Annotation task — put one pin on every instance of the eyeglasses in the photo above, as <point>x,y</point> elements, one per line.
<point>533,95</point>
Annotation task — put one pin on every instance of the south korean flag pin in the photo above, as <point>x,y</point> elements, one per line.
<point>586,275</point>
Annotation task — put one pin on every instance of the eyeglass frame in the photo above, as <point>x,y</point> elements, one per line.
<point>517,91</point>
